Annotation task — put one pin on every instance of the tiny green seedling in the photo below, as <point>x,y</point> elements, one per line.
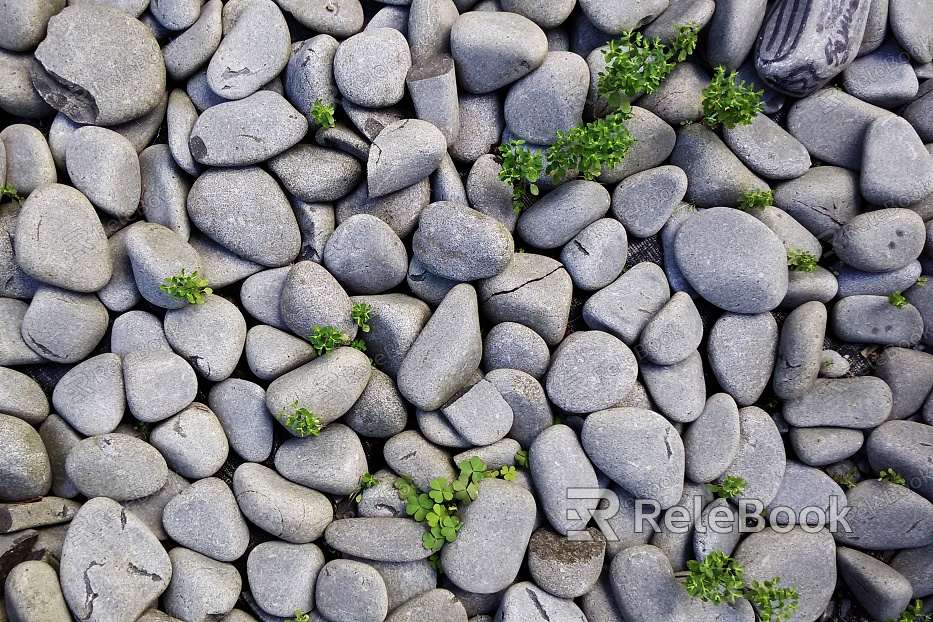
<point>301,617</point>
<point>323,114</point>
<point>521,168</point>
<point>588,147</point>
<point>9,191</point>
<point>326,339</point>
<point>521,457</point>
<point>892,476</point>
<point>922,281</point>
<point>756,200</point>
<point>508,473</point>
<point>913,613</point>
<point>728,103</point>
<point>733,486</point>
<point>435,562</point>
<point>773,602</point>
<point>846,480</point>
<point>187,286</point>
<point>897,300</point>
<point>358,344</point>
<point>801,261</point>
<point>362,313</point>
<point>302,421</point>
<point>367,480</point>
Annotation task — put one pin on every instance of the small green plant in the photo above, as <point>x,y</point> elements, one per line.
<point>922,281</point>
<point>913,613</point>
<point>521,168</point>
<point>801,261</point>
<point>187,286</point>
<point>521,457</point>
<point>728,103</point>
<point>718,579</point>
<point>892,476</point>
<point>358,344</point>
<point>361,314</point>
<point>323,114</point>
<point>326,339</point>
<point>9,191</point>
<point>142,428</point>
<point>731,487</point>
<point>756,200</point>
<point>588,147</point>
<point>367,480</point>
<point>301,617</point>
<point>302,421</point>
<point>636,65</point>
<point>435,562</point>
<point>846,480</point>
<point>897,300</point>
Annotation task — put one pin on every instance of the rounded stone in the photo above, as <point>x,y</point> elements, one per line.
<point>742,350</point>
<point>25,23</point>
<point>201,588</point>
<point>590,371</point>
<point>645,201</point>
<point>674,333</point>
<point>733,261</point>
<point>403,153</point>
<point>461,244</point>
<point>341,578</point>
<point>711,443</point>
<point>156,254</point>
<point>24,463</point>
<point>240,406</point>
<point>29,162</point>
<point>761,459</point>
<point>381,412</point>
<point>64,326</point>
<point>205,518</point>
<point>104,166</point>
<point>117,466</point>
<point>316,174</point>
<point>625,306</point>
<point>193,442</point>
<point>311,297</point>
<point>515,346</point>
<point>210,336</point>
<point>23,397</point>
<point>366,256</point>
<point>882,240</point>
<point>548,100</point>
<point>266,565</point>
<point>99,65</point>
<point>158,384</point>
<point>332,462</point>
<point>370,67</point>
<point>90,396</point>
<point>596,256</point>
<point>563,213</point>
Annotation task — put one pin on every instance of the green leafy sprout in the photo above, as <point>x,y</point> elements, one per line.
<point>438,506</point>
<point>323,114</point>
<point>588,147</point>
<point>521,168</point>
<point>913,613</point>
<point>9,191</point>
<point>718,579</point>
<point>326,339</point>
<point>756,200</point>
<point>733,486</point>
<point>922,281</point>
<point>367,480</point>
<point>846,480</point>
<point>521,457</point>
<point>301,617</point>
<point>362,313</point>
<point>801,261</point>
<point>897,300</point>
<point>728,103</point>
<point>302,421</point>
<point>187,286</point>
<point>892,476</point>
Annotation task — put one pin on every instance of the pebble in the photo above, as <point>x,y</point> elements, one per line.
<point>105,168</point>
<point>110,552</point>
<point>909,375</point>
<point>853,282</point>
<point>872,319</point>
<point>823,446</point>
<point>158,384</point>
<point>885,516</point>
<point>22,397</point>
<point>674,332</point>
<point>247,131</point>
<point>366,240</point>
<point>711,442</point>
<point>403,154</point>
<point>515,346</point>
<point>331,463</point>
<point>481,126</point>
<point>192,49</point>
<point>716,177</point>
<point>792,57</point>
<point>654,142</point>
<point>742,350</point>
<point>202,589</point>
<point>166,196</point>
<point>205,518</point>
<point>624,307</point>
<point>33,593</point>
<point>266,565</point>
<point>596,256</point>
<point>533,290</point>
<point>246,212</point>
<point>24,464</point>
<point>312,297</point>
<point>90,396</point>
<point>309,75</point>
<point>580,381</point>
<point>802,287</point>
<point>18,96</point>
<point>116,65</point>
<point>862,402</point>
<point>761,458</point>
<point>60,240</point>
<point>914,565</point>
<point>285,510</point>
<point>706,540</point>
<point>733,31</point>
<point>315,174</point>
<point>645,201</point>
<point>732,260</point>
<point>150,509</point>
<point>910,26</point>
<point>193,442</point>
<point>436,604</point>
<point>882,77</point>
<point>59,438</point>
<point>883,591</point>
<point>64,326</point>
<point>379,539</point>
<point>558,462</point>
<point>459,243</point>
<point>679,98</point>
<point>678,390</point>
<point>805,487</point>
<point>494,49</point>
<point>905,447</point>
<point>556,218</point>
<point>29,163</point>
<point>340,19</point>
<point>271,352</point>
<point>13,350</point>
<point>117,466</point>
<point>526,602</point>
<point>768,149</point>
<point>156,254</point>
<point>137,333</point>
<point>210,336</point>
<point>802,560</point>
<point>221,267</point>
<point>481,416</point>
<point>328,386</point>
<point>180,119</point>
<point>918,113</point>
<point>833,365</point>
<point>432,83</point>
<point>341,578</point>
<point>396,323</point>
<point>490,547</point>
<point>26,24</point>
<point>240,407</point>
<point>410,454</point>
<point>370,67</point>
<point>548,100</point>
<point>794,235</point>
<point>528,401</point>
<point>400,210</point>
<point>897,170</point>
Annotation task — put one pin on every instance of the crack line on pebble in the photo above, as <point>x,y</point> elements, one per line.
<point>515,289</point>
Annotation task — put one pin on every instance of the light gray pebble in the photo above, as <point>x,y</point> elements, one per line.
<point>767,149</point>
<point>64,326</point>
<point>139,332</point>
<point>905,447</point>
<point>210,336</point>
<point>90,396</point>
<point>897,170</point>
<point>271,352</point>
<point>220,266</point>
<point>577,383</point>
<point>824,446</point>
<point>266,565</point>
<point>437,429</point>
<point>711,443</point>
<point>733,30</point>
<point>240,407</point>
<point>379,539</point>
<point>26,23</point>
<point>862,402</point>
<point>883,591</point>
<point>481,415</point>
<point>25,464</point>
<point>678,390</point>
<point>370,67</point>
<point>18,95</point>
<point>149,509</point>
<point>481,125</point>
<point>548,100</point>
<point>166,195</point>
<point>400,210</point>
<point>332,462</point>
<point>886,516</point>
<point>193,442</point>
<point>410,454</point>
<point>833,364</point>
<point>117,466</point>
<point>29,162</point>
<point>679,97</point>
<point>180,120</point>
<point>33,592</point>
<point>802,287</point>
<point>202,588</point>
<point>560,215</point>
<point>59,438</point>
<point>674,332</point>
<point>315,174</point>
<point>625,306</point>
<point>156,254</point>
<point>104,166</point>
<point>158,384</point>
<point>761,459</point>
<point>596,256</point>
<point>742,350</point>
<point>365,240</point>
<point>872,319</point>
<point>205,518</point>
<point>654,142</point>
<point>854,282</point>
<point>882,77</point>
<point>23,397</point>
<point>192,49</point>
<point>645,201</point>
<point>515,346</point>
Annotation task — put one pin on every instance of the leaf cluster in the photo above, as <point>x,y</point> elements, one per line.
<point>892,476</point>
<point>521,168</point>
<point>897,300</point>
<point>846,480</point>
<point>521,457</point>
<point>323,114</point>
<point>367,480</point>
<point>362,313</point>
<point>302,421</point>
<point>588,147</point>
<point>733,486</point>
<point>756,200</point>
<point>9,191</point>
<point>913,613</point>
<point>719,579</point>
<point>187,286</point>
<point>728,103</point>
<point>801,261</point>
<point>301,617</point>
<point>922,281</point>
<point>326,339</point>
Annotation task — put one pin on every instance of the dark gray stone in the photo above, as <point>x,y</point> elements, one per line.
<point>271,352</point>
<point>379,539</point>
<point>481,415</point>
<point>910,23</point>
<point>548,100</point>
<point>309,75</point>
<point>883,77</point>
<point>645,201</point>
<point>823,446</point>
<point>853,282</point>
<point>459,243</point>
<point>886,516</point>
<point>761,459</point>
<point>914,565</point>
<point>59,438</point>
<point>733,30</point>
<point>805,487</point>
<point>368,242</point>
<point>860,403</point>
<point>905,447</point>
<point>883,591</point>
<point>558,462</point>
<point>369,601</point>
<point>872,319</point>
<point>514,346</point>
<point>580,380</point>
<point>767,149</point>
<point>800,350</point>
